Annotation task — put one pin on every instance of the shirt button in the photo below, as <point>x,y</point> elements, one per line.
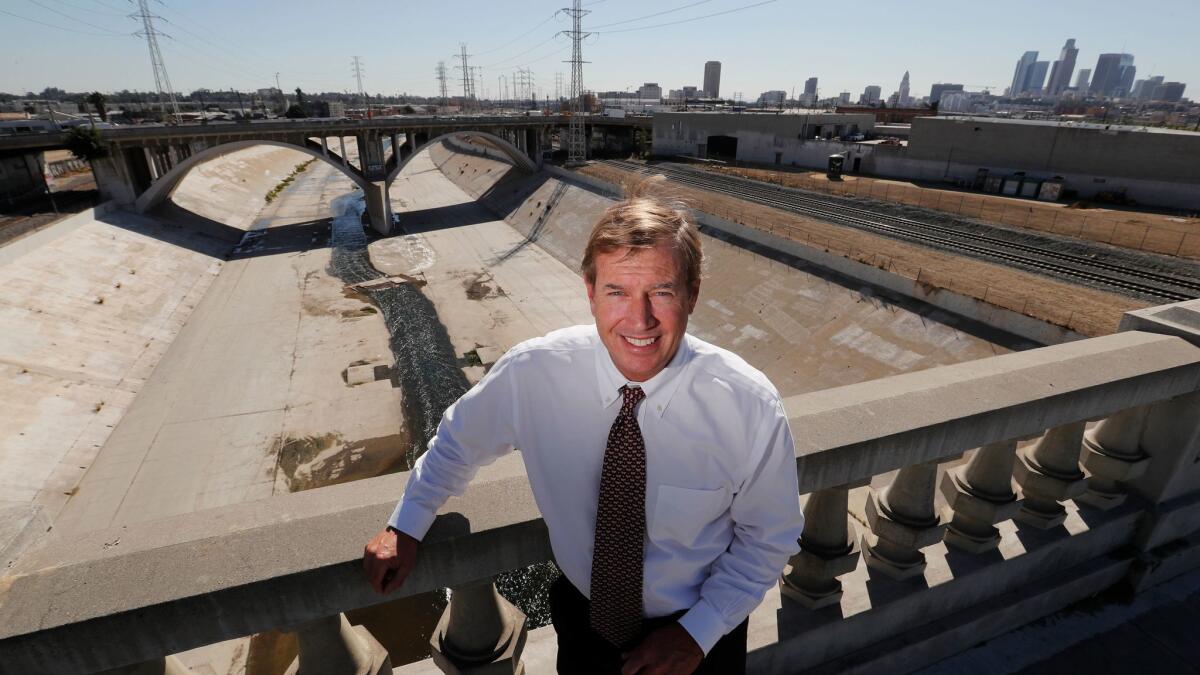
<point>660,408</point>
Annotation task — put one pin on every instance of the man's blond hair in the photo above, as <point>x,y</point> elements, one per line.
<point>640,222</point>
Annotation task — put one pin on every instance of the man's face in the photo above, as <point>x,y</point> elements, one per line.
<point>641,303</point>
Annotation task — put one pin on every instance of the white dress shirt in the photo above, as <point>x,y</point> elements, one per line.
<point>722,507</point>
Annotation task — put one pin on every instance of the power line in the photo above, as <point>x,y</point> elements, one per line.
<point>651,16</point>
<point>110,11</point>
<point>468,81</point>
<point>50,25</point>
<point>694,18</point>
<point>81,21</point>
<point>514,40</point>
<point>519,55</point>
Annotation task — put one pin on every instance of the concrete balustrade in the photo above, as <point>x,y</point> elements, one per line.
<point>135,594</point>
<point>1111,455</point>
<point>480,632</point>
<point>1049,474</point>
<point>978,496</point>
<point>903,521</point>
<point>829,548</point>
<point>331,646</point>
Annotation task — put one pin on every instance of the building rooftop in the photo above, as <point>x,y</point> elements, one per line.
<point>1059,123</point>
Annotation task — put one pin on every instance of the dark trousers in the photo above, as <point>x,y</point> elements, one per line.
<point>582,651</point>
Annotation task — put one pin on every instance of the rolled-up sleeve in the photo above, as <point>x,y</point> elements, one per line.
<point>475,431</point>
<point>767,523</point>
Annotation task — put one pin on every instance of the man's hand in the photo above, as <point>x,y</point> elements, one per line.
<point>668,650</point>
<point>388,559</point>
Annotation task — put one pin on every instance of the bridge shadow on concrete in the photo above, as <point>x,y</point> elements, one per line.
<point>444,218</point>
<point>179,227</point>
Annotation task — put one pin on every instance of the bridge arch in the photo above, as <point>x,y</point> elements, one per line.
<point>160,189</point>
<point>511,151</point>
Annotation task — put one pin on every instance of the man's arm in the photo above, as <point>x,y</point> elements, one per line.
<point>475,431</point>
<point>767,525</point>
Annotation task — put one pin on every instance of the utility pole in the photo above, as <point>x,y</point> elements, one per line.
<point>356,64</point>
<point>468,83</point>
<point>441,76</point>
<point>161,82</point>
<point>576,133</point>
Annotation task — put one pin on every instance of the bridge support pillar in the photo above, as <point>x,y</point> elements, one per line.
<point>379,207</point>
<point>115,179</point>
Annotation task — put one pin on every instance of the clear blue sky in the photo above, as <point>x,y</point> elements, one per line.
<point>220,44</point>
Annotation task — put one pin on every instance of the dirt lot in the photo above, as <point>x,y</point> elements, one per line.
<point>1153,232</point>
<point>1084,310</point>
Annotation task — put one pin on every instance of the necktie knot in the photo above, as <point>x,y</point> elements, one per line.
<point>632,395</point>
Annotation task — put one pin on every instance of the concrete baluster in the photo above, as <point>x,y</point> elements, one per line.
<point>828,548</point>
<point>1112,454</point>
<point>903,521</point>
<point>978,496</point>
<point>480,632</point>
<point>332,646</point>
<point>1048,473</point>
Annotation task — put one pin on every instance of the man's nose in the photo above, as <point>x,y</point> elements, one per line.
<point>642,313</point>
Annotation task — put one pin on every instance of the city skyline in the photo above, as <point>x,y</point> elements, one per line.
<point>205,51</point>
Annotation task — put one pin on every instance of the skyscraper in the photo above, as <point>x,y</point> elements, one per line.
<point>1113,75</point>
<point>712,78</point>
<point>1144,89</point>
<point>903,99</point>
<point>810,86</point>
<point>1037,77</point>
<point>936,91</point>
<point>1083,81</point>
<point>871,95</point>
<point>1170,92</point>
<point>1021,74</point>
<point>1060,72</point>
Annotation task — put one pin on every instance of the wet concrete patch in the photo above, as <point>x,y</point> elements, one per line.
<point>309,462</point>
<point>481,286</point>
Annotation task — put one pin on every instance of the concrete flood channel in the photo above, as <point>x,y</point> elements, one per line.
<point>431,378</point>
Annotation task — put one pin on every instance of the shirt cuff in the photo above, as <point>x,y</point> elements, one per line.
<point>412,519</point>
<point>704,624</point>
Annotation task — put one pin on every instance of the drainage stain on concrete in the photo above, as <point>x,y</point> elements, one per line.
<point>309,462</point>
<point>477,288</point>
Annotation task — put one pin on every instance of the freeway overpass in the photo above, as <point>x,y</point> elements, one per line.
<point>144,163</point>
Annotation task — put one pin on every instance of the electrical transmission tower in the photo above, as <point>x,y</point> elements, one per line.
<point>441,76</point>
<point>161,82</point>
<point>468,77</point>
<point>576,134</point>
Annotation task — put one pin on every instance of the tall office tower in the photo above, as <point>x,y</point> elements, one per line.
<point>1113,75</point>
<point>1143,90</point>
<point>1083,81</point>
<point>1037,77</point>
<point>712,79</point>
<point>903,99</point>
<point>936,91</point>
<point>1021,74</point>
<point>871,95</point>
<point>810,86</point>
<point>1171,92</point>
<point>1060,72</point>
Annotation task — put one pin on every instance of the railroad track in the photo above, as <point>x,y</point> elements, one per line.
<point>1050,263</point>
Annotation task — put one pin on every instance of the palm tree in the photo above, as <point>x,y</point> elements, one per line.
<point>98,100</point>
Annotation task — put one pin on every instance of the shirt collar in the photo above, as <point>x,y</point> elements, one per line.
<point>659,389</point>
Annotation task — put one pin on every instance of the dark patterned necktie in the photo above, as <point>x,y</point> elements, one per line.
<point>616,602</point>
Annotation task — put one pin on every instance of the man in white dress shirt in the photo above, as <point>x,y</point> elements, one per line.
<point>663,465</point>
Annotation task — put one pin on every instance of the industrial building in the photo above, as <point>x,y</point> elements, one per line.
<point>1154,167</point>
<point>764,138</point>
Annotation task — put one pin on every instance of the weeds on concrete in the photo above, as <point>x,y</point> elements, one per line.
<point>299,169</point>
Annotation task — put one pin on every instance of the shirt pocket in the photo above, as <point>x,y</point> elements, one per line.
<point>682,514</point>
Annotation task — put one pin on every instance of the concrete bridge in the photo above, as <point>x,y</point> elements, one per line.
<point>1025,531</point>
<point>145,163</point>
